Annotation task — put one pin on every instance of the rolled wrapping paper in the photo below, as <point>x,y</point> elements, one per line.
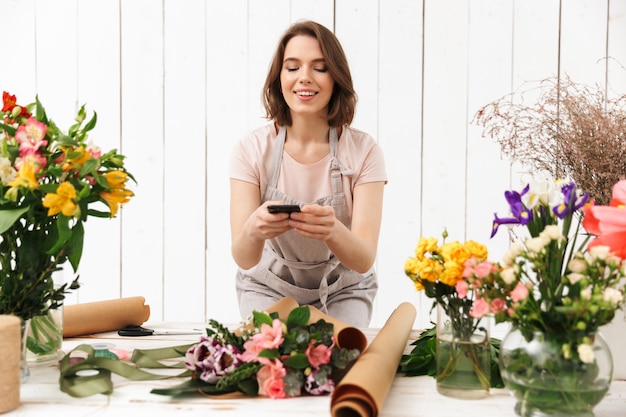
<point>10,346</point>
<point>346,336</point>
<point>104,316</point>
<point>363,390</point>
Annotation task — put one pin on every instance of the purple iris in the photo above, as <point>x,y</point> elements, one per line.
<point>571,201</point>
<point>520,214</point>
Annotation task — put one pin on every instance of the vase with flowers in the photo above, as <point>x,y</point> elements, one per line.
<point>556,288</point>
<point>51,181</point>
<point>462,356</point>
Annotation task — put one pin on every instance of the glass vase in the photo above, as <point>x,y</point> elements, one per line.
<point>547,384</point>
<point>24,370</point>
<point>462,355</point>
<point>45,338</point>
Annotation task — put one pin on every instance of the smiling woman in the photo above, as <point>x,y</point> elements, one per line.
<point>309,156</point>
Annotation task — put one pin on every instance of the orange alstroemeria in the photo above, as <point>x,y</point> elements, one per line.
<point>608,223</point>
<point>62,201</point>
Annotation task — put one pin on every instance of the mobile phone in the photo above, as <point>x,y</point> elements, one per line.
<point>283,208</point>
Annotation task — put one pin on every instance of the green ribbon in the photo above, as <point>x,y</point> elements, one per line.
<point>93,375</point>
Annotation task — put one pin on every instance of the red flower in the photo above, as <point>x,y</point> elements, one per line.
<point>9,102</point>
<point>608,223</point>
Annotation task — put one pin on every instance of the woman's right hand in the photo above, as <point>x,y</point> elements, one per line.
<point>266,225</point>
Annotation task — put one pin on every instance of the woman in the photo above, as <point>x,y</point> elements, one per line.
<point>308,156</point>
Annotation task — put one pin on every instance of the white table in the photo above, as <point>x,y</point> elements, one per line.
<point>409,396</point>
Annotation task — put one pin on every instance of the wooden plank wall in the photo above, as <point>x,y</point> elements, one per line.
<point>176,82</point>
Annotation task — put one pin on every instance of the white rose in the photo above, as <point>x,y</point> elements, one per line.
<point>574,277</point>
<point>535,245</point>
<point>585,353</point>
<point>586,294</point>
<point>512,253</point>
<point>552,232</point>
<point>612,295</point>
<point>577,265</point>
<point>599,252</point>
<point>508,275</point>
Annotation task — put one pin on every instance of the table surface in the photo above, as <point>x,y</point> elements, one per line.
<point>408,396</point>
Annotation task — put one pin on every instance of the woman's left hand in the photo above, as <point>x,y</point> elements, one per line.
<point>314,221</point>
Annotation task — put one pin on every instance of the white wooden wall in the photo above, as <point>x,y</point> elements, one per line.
<point>176,82</point>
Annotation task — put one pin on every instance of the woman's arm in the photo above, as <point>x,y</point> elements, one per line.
<point>251,224</point>
<point>356,247</point>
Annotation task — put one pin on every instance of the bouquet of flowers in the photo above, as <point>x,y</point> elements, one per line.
<point>49,182</point>
<point>550,283</point>
<point>267,357</point>
<point>439,271</point>
<point>557,291</point>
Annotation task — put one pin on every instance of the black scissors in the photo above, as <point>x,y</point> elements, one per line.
<point>142,331</point>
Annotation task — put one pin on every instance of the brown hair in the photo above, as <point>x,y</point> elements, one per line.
<point>343,100</point>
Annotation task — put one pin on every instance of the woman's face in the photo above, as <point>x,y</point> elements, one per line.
<point>305,81</point>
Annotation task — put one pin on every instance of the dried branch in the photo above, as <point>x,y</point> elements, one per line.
<point>572,131</point>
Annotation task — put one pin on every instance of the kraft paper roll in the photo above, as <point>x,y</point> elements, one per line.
<point>363,390</point>
<point>104,316</point>
<point>10,346</point>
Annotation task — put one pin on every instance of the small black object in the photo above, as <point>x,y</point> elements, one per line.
<point>135,331</point>
<point>283,208</point>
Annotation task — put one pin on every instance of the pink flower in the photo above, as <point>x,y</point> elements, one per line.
<point>519,293</point>
<point>497,305</point>
<point>480,307</point>
<point>270,379</point>
<point>608,223</point>
<point>483,269</point>
<point>31,136</point>
<point>269,337</point>
<point>318,355</point>
<point>461,288</point>
<point>315,387</point>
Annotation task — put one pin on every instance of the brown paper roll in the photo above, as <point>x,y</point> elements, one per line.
<point>10,346</point>
<point>364,388</point>
<point>104,316</point>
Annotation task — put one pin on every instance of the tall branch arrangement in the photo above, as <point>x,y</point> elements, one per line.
<point>572,131</point>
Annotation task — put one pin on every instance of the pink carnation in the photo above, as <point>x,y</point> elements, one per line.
<point>497,305</point>
<point>519,293</point>
<point>461,288</point>
<point>479,308</point>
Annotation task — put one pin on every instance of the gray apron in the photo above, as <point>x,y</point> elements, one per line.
<point>304,268</point>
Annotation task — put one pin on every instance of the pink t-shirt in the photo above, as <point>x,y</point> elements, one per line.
<point>251,161</point>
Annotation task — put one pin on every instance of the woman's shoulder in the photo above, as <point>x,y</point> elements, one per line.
<point>356,138</point>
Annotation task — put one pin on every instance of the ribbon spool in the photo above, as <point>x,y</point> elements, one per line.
<point>10,347</point>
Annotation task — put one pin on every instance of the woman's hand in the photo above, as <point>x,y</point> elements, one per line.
<point>314,221</point>
<point>265,225</point>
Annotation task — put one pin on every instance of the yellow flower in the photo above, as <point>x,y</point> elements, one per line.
<point>116,179</point>
<point>25,177</point>
<point>454,252</point>
<point>425,245</point>
<point>115,198</point>
<point>452,273</point>
<point>429,269</point>
<point>78,158</point>
<point>477,250</point>
<point>62,201</point>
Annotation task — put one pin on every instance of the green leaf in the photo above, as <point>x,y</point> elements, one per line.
<point>297,361</point>
<point>187,387</point>
<point>299,316</point>
<point>64,231</point>
<point>76,244</point>
<point>260,318</point>
<point>9,217</point>
<point>91,123</point>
